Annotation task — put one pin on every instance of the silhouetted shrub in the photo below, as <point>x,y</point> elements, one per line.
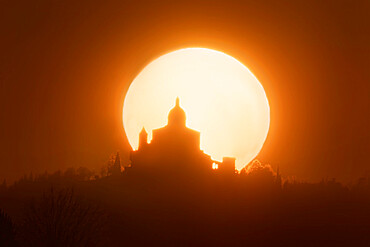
<point>60,218</point>
<point>7,230</point>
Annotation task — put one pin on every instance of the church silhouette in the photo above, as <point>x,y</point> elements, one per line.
<point>175,151</point>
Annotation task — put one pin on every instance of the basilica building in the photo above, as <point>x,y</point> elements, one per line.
<point>175,150</point>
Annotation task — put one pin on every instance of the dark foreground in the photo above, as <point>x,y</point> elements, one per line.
<point>131,210</point>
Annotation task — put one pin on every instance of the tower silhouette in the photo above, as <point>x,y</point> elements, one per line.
<point>143,138</point>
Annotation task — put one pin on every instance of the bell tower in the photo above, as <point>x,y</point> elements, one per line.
<point>143,138</point>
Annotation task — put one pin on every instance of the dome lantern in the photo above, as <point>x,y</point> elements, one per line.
<point>177,116</point>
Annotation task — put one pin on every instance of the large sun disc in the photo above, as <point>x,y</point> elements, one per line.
<point>221,97</point>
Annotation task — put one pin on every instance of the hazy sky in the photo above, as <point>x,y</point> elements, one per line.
<point>65,68</point>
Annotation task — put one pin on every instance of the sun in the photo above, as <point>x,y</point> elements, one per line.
<point>221,97</point>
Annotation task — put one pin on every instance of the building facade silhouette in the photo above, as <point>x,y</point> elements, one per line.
<point>175,150</point>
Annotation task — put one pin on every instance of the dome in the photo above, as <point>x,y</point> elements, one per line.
<point>177,116</point>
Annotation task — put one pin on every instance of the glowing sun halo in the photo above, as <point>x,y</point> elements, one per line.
<point>221,97</point>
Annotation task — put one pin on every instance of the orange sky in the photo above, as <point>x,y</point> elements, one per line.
<point>65,68</point>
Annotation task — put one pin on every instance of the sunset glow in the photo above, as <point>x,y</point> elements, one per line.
<point>221,97</point>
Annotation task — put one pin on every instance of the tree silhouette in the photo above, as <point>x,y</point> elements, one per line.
<point>7,230</point>
<point>60,218</point>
